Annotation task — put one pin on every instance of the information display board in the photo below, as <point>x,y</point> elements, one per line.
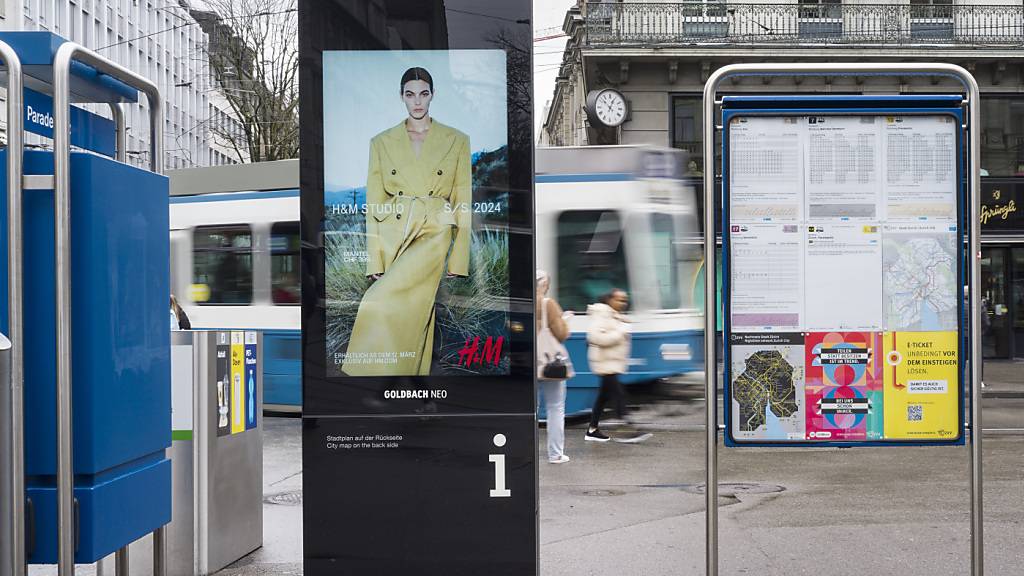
<point>843,265</point>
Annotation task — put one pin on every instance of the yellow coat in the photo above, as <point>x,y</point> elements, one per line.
<point>396,177</point>
<point>419,212</point>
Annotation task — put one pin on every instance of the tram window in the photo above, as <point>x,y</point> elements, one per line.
<point>284,262</point>
<point>664,254</point>
<point>591,257</point>
<point>222,261</point>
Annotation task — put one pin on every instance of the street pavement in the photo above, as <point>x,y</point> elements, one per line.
<point>638,509</point>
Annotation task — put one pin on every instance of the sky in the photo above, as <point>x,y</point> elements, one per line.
<point>547,55</point>
<point>362,99</point>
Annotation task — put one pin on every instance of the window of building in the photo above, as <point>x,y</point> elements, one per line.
<point>1002,136</point>
<point>222,260</point>
<point>687,124</point>
<point>284,263</point>
<point>831,9</point>
<point>591,257</point>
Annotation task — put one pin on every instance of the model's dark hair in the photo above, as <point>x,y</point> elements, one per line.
<point>607,296</point>
<point>417,73</point>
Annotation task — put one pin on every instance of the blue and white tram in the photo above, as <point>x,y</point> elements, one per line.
<point>622,217</point>
<point>607,216</point>
<point>235,262</point>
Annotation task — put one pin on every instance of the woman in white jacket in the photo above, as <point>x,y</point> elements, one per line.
<point>608,341</point>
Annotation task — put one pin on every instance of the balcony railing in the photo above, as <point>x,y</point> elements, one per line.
<point>715,23</point>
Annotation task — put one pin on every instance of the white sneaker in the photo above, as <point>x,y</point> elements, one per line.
<point>560,460</point>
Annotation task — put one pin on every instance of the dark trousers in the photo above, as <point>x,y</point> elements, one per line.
<point>611,389</point>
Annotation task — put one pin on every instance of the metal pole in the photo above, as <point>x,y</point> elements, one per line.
<point>62,243</point>
<point>12,549</point>
<point>6,462</point>
<point>710,364</point>
<point>977,479</point>
<point>62,239</point>
<point>710,333</point>
<point>160,551</point>
<point>120,153</point>
<point>121,562</point>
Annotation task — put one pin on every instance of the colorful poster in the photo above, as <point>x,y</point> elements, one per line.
<point>237,389</point>
<point>416,204</point>
<point>844,386</point>
<point>767,387</point>
<point>251,401</point>
<point>921,391</point>
<point>223,383</point>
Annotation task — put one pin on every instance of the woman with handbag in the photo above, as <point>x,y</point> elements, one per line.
<point>553,365</point>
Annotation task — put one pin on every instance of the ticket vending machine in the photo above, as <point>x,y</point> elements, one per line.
<point>89,314</point>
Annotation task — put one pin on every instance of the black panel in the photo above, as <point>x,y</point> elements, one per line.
<point>407,495</point>
<point>398,470</point>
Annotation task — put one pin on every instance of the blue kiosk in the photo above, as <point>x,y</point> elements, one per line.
<point>87,411</point>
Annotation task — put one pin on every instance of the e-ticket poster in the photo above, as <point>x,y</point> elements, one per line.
<point>844,286</point>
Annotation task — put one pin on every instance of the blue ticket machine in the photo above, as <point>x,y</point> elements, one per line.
<point>120,354</point>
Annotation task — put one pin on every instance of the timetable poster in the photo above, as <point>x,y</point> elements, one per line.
<point>842,243</point>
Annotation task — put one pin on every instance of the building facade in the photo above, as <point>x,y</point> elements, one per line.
<point>659,55</point>
<point>158,39</point>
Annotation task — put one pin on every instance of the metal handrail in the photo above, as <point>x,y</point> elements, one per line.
<point>711,23</point>
<point>68,52</point>
<point>973,102</point>
<point>13,520</point>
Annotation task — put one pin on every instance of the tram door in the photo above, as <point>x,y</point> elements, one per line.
<point>997,333</point>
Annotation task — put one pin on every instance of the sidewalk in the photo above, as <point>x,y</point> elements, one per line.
<point>1003,379</point>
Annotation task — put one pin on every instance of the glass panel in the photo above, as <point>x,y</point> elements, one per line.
<point>1002,137</point>
<point>222,260</point>
<point>1018,288</point>
<point>993,303</point>
<point>591,257</point>
<point>664,256</point>
<point>686,126</point>
<point>284,263</point>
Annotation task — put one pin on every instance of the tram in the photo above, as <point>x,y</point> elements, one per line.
<point>607,216</point>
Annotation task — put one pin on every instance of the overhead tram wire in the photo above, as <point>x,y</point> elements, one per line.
<point>196,23</point>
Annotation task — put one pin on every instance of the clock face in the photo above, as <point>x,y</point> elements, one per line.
<point>610,108</point>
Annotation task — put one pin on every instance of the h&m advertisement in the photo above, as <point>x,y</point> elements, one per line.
<point>416,212</point>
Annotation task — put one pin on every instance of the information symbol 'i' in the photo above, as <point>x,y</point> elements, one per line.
<point>499,490</point>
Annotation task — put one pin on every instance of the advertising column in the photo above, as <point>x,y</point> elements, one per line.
<point>416,174</point>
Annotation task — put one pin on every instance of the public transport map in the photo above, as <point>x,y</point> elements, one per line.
<point>844,293</point>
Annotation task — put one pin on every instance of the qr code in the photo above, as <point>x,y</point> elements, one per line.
<point>915,413</point>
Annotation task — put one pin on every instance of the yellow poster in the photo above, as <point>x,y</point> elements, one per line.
<point>921,386</point>
<point>237,389</point>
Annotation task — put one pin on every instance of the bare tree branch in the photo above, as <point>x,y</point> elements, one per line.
<point>253,57</point>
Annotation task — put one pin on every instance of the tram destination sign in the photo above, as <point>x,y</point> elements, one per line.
<point>843,271</point>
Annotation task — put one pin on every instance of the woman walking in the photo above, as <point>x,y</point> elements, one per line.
<point>418,197</point>
<point>608,347</point>
<point>552,331</point>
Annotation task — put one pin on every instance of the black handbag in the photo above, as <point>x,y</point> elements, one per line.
<point>555,369</point>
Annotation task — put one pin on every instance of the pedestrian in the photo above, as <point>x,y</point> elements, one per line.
<point>552,330</point>
<point>179,320</point>
<point>608,344</point>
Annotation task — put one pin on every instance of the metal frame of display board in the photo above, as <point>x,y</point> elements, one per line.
<point>747,108</point>
<point>971,102</point>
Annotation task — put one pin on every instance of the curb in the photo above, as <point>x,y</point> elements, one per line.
<point>1002,394</point>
